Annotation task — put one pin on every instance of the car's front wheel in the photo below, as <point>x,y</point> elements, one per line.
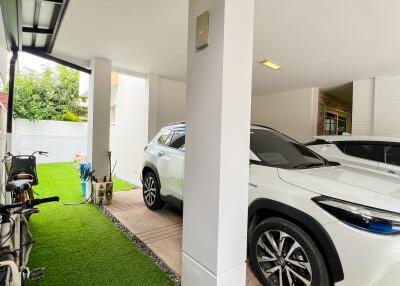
<point>151,192</point>
<point>282,254</point>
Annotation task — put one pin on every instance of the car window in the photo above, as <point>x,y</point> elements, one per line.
<point>277,150</point>
<point>178,139</point>
<point>341,146</point>
<point>392,155</point>
<point>360,150</point>
<point>164,138</point>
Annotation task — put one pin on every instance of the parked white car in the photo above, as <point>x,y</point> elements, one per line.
<point>377,153</point>
<point>311,221</point>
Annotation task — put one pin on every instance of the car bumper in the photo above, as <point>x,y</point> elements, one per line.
<point>368,259</point>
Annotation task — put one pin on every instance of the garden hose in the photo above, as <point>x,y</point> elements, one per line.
<point>85,175</point>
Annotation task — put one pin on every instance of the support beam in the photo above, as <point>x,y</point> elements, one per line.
<point>36,16</point>
<point>55,1</point>
<point>37,31</point>
<point>217,145</point>
<point>11,88</point>
<point>99,117</point>
<point>41,53</point>
<point>55,23</point>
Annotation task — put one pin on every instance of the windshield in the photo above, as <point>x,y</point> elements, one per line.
<point>277,150</point>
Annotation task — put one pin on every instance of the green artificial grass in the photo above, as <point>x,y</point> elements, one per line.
<point>120,185</point>
<point>78,245</point>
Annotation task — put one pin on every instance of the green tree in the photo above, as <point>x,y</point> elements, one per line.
<point>52,94</point>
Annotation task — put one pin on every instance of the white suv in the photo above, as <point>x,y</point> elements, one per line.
<point>373,152</point>
<point>311,221</point>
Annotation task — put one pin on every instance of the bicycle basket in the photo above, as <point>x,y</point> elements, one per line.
<point>23,164</point>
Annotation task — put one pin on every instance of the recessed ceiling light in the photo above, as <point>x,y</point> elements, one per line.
<point>271,65</point>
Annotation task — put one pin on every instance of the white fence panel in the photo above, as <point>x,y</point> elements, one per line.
<point>63,140</point>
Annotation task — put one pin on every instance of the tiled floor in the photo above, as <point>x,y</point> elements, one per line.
<point>160,230</point>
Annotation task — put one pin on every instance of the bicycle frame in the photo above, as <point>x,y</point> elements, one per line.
<point>20,243</point>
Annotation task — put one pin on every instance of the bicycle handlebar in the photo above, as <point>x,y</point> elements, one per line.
<point>9,154</point>
<point>29,204</point>
<point>35,202</point>
<point>43,153</point>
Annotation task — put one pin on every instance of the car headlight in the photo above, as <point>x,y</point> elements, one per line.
<point>362,217</point>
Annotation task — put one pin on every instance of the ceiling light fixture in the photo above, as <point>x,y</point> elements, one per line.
<point>271,65</point>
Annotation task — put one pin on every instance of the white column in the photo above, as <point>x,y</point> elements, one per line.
<point>153,91</point>
<point>380,111</point>
<point>217,145</point>
<point>99,116</point>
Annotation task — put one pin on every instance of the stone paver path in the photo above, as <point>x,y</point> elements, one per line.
<point>161,230</point>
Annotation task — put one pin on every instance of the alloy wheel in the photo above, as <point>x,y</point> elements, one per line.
<point>282,260</point>
<point>150,190</point>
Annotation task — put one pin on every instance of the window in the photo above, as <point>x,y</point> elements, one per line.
<point>178,139</point>
<point>330,123</point>
<point>277,150</point>
<point>360,150</point>
<point>164,138</point>
<point>336,122</point>
<point>392,155</point>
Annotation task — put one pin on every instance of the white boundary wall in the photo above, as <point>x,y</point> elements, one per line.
<point>62,139</point>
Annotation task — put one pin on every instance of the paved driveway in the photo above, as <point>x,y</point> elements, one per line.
<point>160,230</point>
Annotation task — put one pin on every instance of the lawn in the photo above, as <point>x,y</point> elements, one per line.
<point>78,245</point>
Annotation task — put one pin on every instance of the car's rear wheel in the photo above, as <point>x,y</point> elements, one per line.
<point>282,254</point>
<point>151,192</point>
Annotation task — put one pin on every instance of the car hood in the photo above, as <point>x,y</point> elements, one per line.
<point>349,184</point>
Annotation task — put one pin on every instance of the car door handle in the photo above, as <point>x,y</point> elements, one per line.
<point>160,154</point>
<point>253,185</point>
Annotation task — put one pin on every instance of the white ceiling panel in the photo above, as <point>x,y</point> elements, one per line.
<point>26,39</point>
<point>46,12</point>
<point>41,40</point>
<point>28,11</point>
<point>317,43</point>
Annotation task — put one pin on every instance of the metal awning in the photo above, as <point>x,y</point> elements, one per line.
<point>32,25</point>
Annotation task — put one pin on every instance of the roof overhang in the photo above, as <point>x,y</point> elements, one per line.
<point>32,26</point>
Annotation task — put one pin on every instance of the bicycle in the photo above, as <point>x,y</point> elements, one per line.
<point>21,175</point>
<point>16,242</point>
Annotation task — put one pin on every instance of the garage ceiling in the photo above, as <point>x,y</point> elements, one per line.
<point>317,43</point>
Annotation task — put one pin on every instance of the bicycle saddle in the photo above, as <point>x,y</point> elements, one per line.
<point>18,185</point>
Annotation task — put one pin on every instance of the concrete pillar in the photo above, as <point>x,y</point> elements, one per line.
<point>217,145</point>
<point>153,91</point>
<point>99,116</point>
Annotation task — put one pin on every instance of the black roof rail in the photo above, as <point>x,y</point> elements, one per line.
<point>176,123</point>
<point>264,126</point>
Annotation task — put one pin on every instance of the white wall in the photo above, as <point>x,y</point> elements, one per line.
<point>63,140</point>
<point>167,103</point>
<point>293,112</point>
<point>129,133</point>
<point>4,54</point>
<point>171,101</point>
<point>376,105</point>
